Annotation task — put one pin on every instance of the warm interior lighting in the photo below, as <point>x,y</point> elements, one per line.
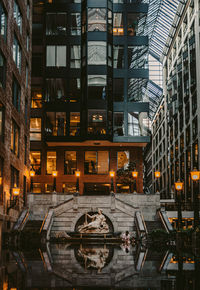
<point>112,173</point>
<point>32,173</point>
<point>0,180</point>
<point>120,30</point>
<point>157,174</point>
<point>179,185</point>
<point>77,173</point>
<point>195,174</point>
<point>134,174</point>
<point>54,173</point>
<point>15,191</point>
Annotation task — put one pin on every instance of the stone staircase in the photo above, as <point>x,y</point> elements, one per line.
<point>33,226</point>
<point>154,225</point>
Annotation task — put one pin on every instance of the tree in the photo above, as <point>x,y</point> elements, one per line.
<point>124,176</point>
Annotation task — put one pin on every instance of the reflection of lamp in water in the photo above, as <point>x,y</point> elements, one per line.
<point>179,188</point>
<point>54,174</point>
<point>112,175</point>
<point>195,176</point>
<point>77,174</point>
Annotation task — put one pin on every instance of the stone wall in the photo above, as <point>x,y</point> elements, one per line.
<point>119,208</point>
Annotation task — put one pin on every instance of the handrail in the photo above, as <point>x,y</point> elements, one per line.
<point>21,220</point>
<point>165,221</point>
<point>46,225</point>
<point>140,224</point>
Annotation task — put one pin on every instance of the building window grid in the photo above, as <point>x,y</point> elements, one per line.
<point>3,21</point>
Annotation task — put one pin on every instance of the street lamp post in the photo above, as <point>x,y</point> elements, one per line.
<point>157,176</point>
<point>54,174</point>
<point>13,198</point>
<point>77,174</point>
<point>112,175</point>
<point>32,174</point>
<point>135,176</point>
<point>179,188</point>
<point>195,175</point>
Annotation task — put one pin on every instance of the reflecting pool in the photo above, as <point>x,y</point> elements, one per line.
<point>103,266</point>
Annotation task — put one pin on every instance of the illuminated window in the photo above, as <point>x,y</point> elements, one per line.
<point>51,162</point>
<point>37,188</point>
<point>97,120</point>
<point>118,26</point>
<point>74,124</point>
<point>123,159</point>
<point>70,162</point>
<point>35,129</point>
<point>75,56</point>
<point>35,161</point>
<point>36,99</point>
<point>96,162</point>
<point>17,53</point>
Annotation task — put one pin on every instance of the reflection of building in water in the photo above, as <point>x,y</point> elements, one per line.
<point>62,266</point>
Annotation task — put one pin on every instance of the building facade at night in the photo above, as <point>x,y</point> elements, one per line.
<point>182,99</point>
<point>89,73</point>
<point>15,76</point>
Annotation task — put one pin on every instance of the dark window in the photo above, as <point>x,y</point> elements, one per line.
<point>17,53</point>
<point>2,71</point>
<point>119,128</point>
<point>56,23</point>
<point>70,162</point>
<point>18,16</point>
<point>135,23</point>
<point>118,56</point>
<point>37,65</point>
<point>194,128</point>
<point>26,112</point>
<point>1,122</point>
<point>14,138</point>
<point>118,90</point>
<point>25,149</point>
<point>75,56</point>
<point>74,90</point>
<point>56,89</point>
<point>16,94</point>
<point>75,23</point>
<point>3,21</point>
<point>97,87</point>
<point>35,161</point>
<point>56,124</point>
<point>14,177</point>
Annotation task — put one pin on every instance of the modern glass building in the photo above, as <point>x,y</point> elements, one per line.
<point>89,75</point>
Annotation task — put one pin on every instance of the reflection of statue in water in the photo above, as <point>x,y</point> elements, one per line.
<point>95,258</point>
<point>97,225</point>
